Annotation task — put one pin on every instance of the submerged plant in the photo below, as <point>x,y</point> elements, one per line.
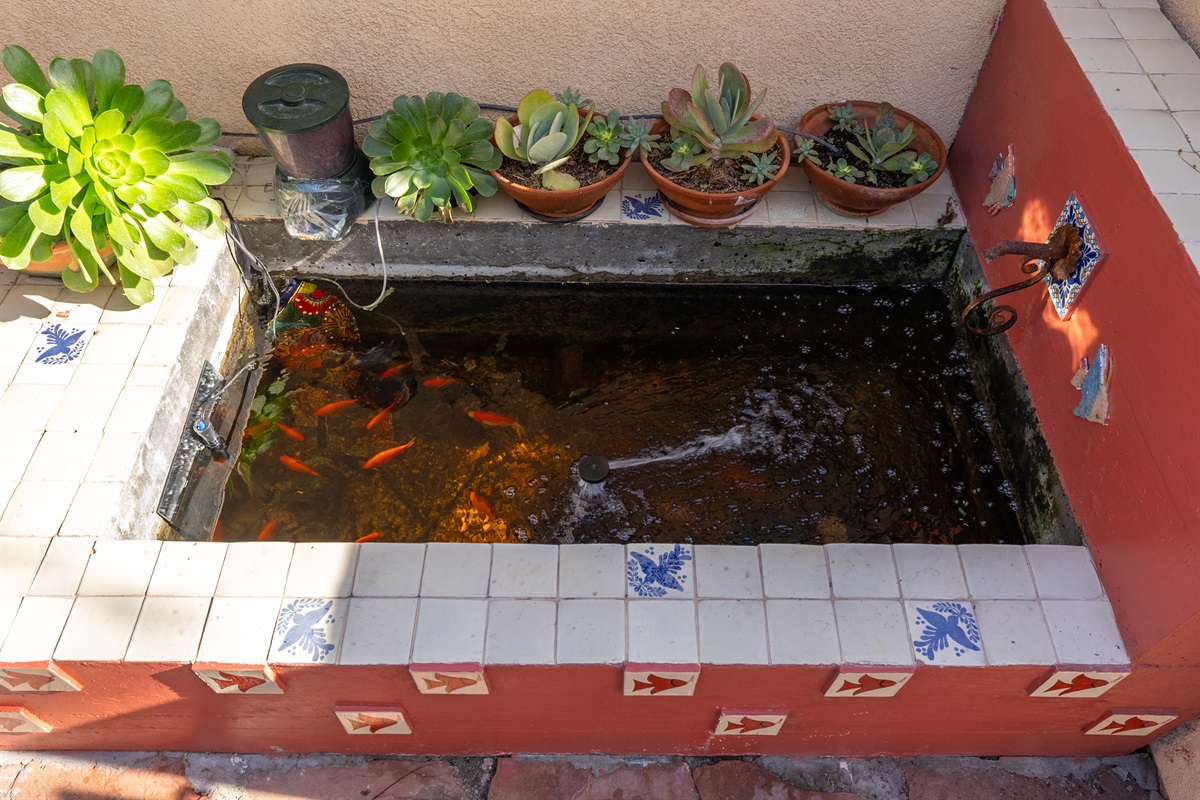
<point>720,122</point>
<point>429,153</point>
<point>98,163</point>
<point>547,131</point>
<point>762,168</point>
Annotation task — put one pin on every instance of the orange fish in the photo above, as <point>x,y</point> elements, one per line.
<point>268,531</point>
<point>378,418</point>
<point>481,504</point>
<point>387,373</point>
<point>244,683</point>
<point>748,724</point>
<point>657,683</point>
<point>254,430</point>
<point>452,682</point>
<point>296,465</point>
<point>496,421</point>
<point>438,383</point>
<point>290,432</point>
<point>1131,724</point>
<point>866,684</point>
<point>218,532</point>
<point>370,537</point>
<point>384,456</point>
<point>334,407</point>
<point>371,722</point>
<point>33,680</point>
<point>1080,683</point>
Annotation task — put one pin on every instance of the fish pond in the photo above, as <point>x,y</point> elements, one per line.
<point>728,414</point>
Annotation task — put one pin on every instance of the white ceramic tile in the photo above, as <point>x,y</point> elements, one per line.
<point>1166,56</point>
<point>733,632</point>
<point>28,406</point>
<point>929,570</point>
<point>997,572</point>
<point>98,629</point>
<point>18,449</point>
<point>20,559</point>
<point>143,375</point>
<point>63,456</point>
<point>792,208</point>
<point>1014,632</point>
<point>379,630</point>
<point>794,571</point>
<point>389,570</point>
<point>794,180</point>
<point>1104,55</point>
<point>162,345</point>
<point>6,491</point>
<point>134,407</point>
<point>188,569</point>
<point>1143,23</point>
<point>1168,172</point>
<point>168,629</point>
<point>1179,91</point>
<point>1073,4</point>
<point>637,179</point>
<point>323,569</point>
<point>120,568</point>
<point>119,310</point>
<point>116,344</point>
<point>802,632</point>
<point>1121,91</point>
<point>1193,251</point>
<point>663,632</point>
<point>1149,130</point>
<point>862,570</point>
<point>100,375</point>
<point>900,215</point>
<point>63,566</point>
<point>16,339</point>
<point>945,633</point>
<point>239,630</point>
<point>450,631</point>
<point>1184,211</point>
<point>255,569</point>
<point>309,630</point>
<point>1189,122</point>
<point>92,511</point>
<point>58,374</point>
<point>83,408</point>
<point>727,571</point>
<point>609,210</point>
<point>520,632</point>
<point>1129,3</point>
<point>591,631</point>
<point>114,457</point>
<point>660,570</point>
<point>30,302</point>
<point>937,211</point>
<point>35,631</point>
<point>524,570</point>
<point>456,570</point>
<point>873,632</point>
<point>1084,23</point>
<point>497,207</point>
<point>1062,572</point>
<point>9,606</point>
<point>1084,632</point>
<point>591,570</point>
<point>178,304</point>
<point>82,309</point>
<point>37,508</point>
<point>826,216</point>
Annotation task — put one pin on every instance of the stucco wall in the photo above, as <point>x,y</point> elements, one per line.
<point>923,58</point>
<point>1185,15</point>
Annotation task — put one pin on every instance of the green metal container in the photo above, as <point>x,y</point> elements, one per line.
<point>302,113</point>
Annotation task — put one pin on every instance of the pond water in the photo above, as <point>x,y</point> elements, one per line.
<point>729,414</point>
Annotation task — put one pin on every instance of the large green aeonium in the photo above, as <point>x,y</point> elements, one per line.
<point>97,162</point>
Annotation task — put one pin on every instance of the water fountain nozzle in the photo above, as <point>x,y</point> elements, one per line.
<point>593,469</point>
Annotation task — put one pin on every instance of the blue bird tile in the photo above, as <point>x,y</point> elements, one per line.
<point>659,571</point>
<point>307,630</point>
<point>642,207</point>
<point>59,344</point>
<point>945,633</point>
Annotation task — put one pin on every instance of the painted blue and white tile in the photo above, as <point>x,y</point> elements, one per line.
<point>308,630</point>
<point>945,633</point>
<point>643,207</point>
<point>659,570</point>
<point>1064,293</point>
<point>59,343</point>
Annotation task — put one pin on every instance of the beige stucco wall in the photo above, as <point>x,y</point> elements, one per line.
<point>922,56</point>
<point>1185,15</point>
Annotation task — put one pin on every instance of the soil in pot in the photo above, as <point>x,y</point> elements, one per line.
<point>578,167</point>
<point>884,179</point>
<point>719,176</point>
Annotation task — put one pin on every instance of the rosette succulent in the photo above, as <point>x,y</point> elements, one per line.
<point>430,153</point>
<point>720,122</point>
<point>546,132</point>
<point>97,163</point>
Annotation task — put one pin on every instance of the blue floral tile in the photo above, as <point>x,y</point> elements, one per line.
<point>308,631</point>
<point>659,570</point>
<point>945,633</point>
<point>1064,293</point>
<point>643,207</point>
<point>59,344</point>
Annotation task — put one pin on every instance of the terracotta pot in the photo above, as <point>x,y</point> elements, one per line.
<point>563,205</point>
<point>61,258</point>
<point>710,209</point>
<point>857,199</point>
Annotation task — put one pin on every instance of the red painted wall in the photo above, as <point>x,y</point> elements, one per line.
<point>1135,484</point>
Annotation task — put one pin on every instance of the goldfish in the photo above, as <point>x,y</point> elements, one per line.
<point>1131,724</point>
<point>481,504</point>
<point>657,683</point>
<point>370,537</point>
<point>33,680</point>
<point>268,531</point>
<point>290,432</point>
<point>1080,683</point>
<point>378,418</point>
<point>296,465</point>
<point>371,722</point>
<point>244,683</point>
<point>439,382</point>
<point>866,684</point>
<point>496,421</point>
<point>748,725</point>
<point>334,407</point>
<point>384,456</point>
<point>254,430</point>
<point>452,683</point>
<point>387,373</point>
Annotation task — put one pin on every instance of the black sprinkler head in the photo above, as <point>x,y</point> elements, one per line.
<point>593,469</point>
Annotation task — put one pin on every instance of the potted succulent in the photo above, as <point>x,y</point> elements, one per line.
<point>96,164</point>
<point>430,153</point>
<point>885,156</point>
<point>549,167</point>
<point>718,157</point>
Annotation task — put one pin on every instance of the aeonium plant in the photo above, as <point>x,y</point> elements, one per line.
<point>95,163</point>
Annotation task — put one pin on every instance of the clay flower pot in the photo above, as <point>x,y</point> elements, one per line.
<point>707,209</point>
<point>858,199</point>
<point>61,258</point>
<point>563,205</point>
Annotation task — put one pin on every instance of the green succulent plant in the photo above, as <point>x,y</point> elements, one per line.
<point>880,145</point>
<point>604,139</point>
<point>918,169</point>
<point>96,163</point>
<point>636,135</point>
<point>686,152</point>
<point>572,97</point>
<point>806,149</point>
<point>844,170</point>
<point>546,133</point>
<point>721,123</point>
<point>844,118</point>
<point>430,152</point>
<point>762,168</point>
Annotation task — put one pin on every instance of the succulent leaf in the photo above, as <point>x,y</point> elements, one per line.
<point>719,122</point>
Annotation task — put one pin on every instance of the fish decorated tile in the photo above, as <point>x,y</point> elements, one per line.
<point>1063,294</point>
<point>239,679</point>
<point>865,682</point>
<point>360,720</point>
<point>308,630</point>
<point>449,678</point>
<point>649,680</point>
<point>659,570</point>
<point>1132,722</point>
<point>945,633</point>
<point>41,677</point>
<point>1077,683</point>
<point>750,723</point>
<point>15,719</point>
